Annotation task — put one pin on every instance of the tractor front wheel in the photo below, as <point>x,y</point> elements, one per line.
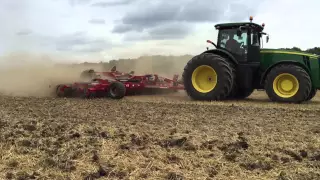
<point>208,77</point>
<point>117,90</point>
<point>288,83</point>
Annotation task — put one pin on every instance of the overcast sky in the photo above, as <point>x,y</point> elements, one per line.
<point>93,29</point>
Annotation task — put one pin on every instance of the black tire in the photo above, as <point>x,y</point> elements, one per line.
<point>236,92</point>
<point>116,90</point>
<point>83,94</point>
<point>239,93</point>
<point>299,73</point>
<point>243,93</point>
<point>234,88</point>
<point>224,77</point>
<point>93,95</point>
<point>67,92</point>
<point>58,91</point>
<point>313,92</point>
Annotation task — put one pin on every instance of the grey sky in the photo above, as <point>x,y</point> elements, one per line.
<point>125,28</point>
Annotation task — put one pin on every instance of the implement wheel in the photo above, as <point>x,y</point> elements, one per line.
<point>117,90</point>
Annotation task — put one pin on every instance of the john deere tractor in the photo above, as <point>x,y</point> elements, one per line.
<point>238,65</point>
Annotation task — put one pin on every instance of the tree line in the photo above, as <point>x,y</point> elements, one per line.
<point>315,50</point>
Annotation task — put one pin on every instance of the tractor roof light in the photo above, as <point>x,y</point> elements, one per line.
<point>251,18</point>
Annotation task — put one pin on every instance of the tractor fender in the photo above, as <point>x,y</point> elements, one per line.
<point>265,73</point>
<point>223,53</point>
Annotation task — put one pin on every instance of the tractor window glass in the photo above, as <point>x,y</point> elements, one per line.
<point>229,40</point>
<point>255,39</point>
<point>223,38</point>
<point>226,34</point>
<point>242,39</point>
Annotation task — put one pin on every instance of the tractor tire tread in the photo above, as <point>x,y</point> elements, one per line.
<point>313,92</point>
<point>234,85</point>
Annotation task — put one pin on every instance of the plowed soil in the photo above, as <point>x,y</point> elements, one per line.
<point>158,137</point>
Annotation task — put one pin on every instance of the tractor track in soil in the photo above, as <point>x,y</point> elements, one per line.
<point>158,137</point>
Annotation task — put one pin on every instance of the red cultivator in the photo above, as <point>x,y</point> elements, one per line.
<point>116,85</point>
<point>93,89</point>
<point>142,84</point>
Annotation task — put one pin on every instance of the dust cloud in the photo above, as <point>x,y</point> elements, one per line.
<point>166,66</point>
<point>34,76</point>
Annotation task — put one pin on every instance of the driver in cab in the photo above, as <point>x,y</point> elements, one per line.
<point>232,45</point>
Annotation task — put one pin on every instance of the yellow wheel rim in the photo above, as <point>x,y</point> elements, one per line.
<point>204,78</point>
<point>285,85</point>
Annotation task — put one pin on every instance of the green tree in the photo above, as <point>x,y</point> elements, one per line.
<point>315,50</point>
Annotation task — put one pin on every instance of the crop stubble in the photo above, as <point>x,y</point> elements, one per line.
<point>158,137</point>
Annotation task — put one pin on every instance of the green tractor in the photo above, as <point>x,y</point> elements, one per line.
<point>238,65</point>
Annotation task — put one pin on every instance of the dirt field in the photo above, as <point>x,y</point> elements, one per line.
<point>158,137</point>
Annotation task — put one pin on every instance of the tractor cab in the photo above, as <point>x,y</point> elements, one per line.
<point>241,40</point>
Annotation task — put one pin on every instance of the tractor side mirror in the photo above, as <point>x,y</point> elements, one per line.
<point>267,38</point>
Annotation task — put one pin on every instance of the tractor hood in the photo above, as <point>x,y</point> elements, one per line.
<point>282,51</point>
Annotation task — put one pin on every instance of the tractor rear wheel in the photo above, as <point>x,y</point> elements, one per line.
<point>313,92</point>
<point>240,93</point>
<point>236,92</point>
<point>288,83</point>
<point>208,77</point>
<point>243,93</point>
<point>117,90</point>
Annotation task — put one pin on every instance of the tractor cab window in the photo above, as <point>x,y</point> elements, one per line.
<point>255,41</point>
<point>229,40</point>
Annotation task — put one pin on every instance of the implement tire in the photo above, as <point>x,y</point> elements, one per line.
<point>116,90</point>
